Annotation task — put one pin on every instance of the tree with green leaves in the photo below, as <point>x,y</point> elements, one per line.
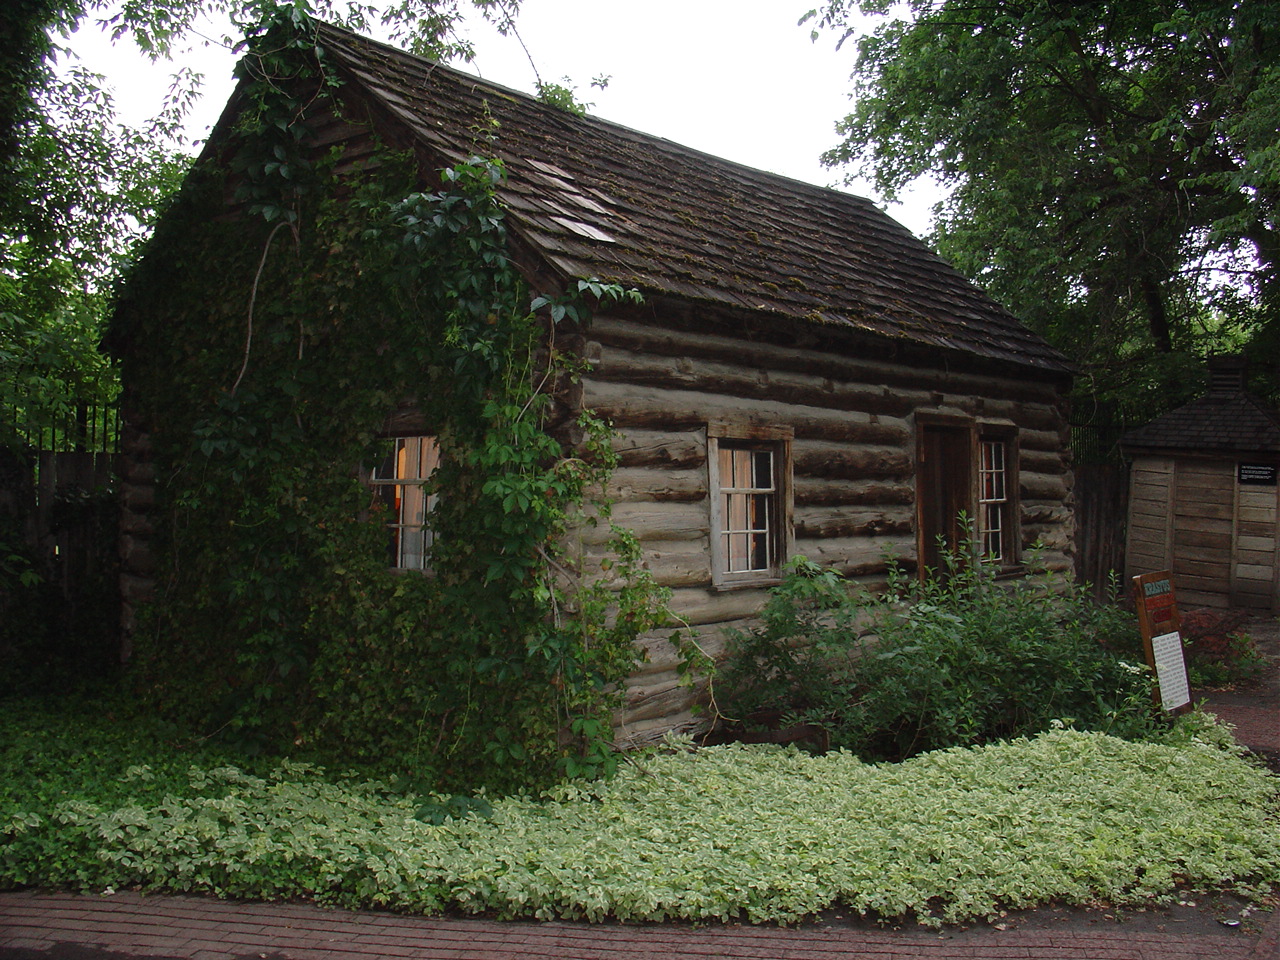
<point>78,189</point>
<point>1113,167</point>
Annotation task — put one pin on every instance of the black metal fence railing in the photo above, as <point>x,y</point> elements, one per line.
<point>89,428</point>
<point>1098,426</point>
<point>1095,444</point>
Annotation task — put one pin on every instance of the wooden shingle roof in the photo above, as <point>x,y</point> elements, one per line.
<point>596,199</point>
<point>1222,423</point>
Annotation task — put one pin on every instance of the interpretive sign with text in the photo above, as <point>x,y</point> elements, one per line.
<point>1256,474</point>
<point>1159,622</point>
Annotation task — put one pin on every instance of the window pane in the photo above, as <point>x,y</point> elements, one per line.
<point>398,485</point>
<point>762,472</point>
<point>993,531</point>
<point>413,505</point>
<point>748,515</point>
<point>760,512</point>
<point>726,467</point>
<point>388,495</point>
<point>993,472</point>
<point>736,552</point>
<point>423,456</point>
<point>386,468</point>
<point>413,548</point>
<point>735,511</point>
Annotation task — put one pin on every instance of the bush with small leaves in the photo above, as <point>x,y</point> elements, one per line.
<point>935,663</point>
<point>759,833</point>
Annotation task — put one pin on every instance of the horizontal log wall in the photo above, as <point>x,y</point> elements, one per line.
<point>853,452</point>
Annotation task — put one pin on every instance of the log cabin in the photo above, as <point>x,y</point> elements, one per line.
<point>1203,496</point>
<point>803,376</point>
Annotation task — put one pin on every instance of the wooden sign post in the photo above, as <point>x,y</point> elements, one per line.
<point>1159,621</point>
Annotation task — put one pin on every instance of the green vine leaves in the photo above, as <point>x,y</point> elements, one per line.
<point>276,617</point>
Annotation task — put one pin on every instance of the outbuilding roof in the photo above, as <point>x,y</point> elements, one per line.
<point>1218,422</point>
<point>597,199</point>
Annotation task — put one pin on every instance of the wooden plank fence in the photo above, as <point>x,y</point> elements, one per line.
<point>1101,497</point>
<point>58,510</point>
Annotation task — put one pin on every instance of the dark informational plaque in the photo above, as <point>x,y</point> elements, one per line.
<point>1256,474</point>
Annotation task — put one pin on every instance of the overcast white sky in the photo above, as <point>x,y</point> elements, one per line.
<point>735,78</point>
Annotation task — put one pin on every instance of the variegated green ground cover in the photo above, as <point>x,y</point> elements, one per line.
<point>762,833</point>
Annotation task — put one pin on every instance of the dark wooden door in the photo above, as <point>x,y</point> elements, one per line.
<point>945,493</point>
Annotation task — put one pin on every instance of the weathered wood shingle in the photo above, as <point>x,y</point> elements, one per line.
<point>1236,423</point>
<point>1227,419</point>
<point>596,199</point>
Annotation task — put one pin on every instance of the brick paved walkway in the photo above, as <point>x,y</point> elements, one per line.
<point>68,927</point>
<point>1255,710</point>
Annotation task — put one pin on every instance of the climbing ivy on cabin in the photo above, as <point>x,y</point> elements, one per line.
<point>264,351</point>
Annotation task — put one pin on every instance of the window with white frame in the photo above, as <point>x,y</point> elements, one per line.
<point>750,508</point>
<point>994,521</point>
<point>398,483</point>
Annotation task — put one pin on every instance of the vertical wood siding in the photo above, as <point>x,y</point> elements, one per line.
<point>1150,516</point>
<point>1255,580</point>
<point>1220,539</point>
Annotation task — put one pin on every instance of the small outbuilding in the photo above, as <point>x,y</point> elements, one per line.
<point>1204,502</point>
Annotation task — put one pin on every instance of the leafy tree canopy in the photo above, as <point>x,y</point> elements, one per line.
<point>1114,167</point>
<point>77,189</point>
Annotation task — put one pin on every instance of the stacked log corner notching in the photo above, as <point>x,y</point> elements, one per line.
<point>137,504</point>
